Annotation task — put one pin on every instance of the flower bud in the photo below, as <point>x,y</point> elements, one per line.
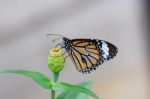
<point>56,60</point>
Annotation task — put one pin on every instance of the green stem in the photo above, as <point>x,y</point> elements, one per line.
<point>55,76</point>
<point>55,79</point>
<point>52,94</point>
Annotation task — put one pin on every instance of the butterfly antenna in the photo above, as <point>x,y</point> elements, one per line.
<point>55,35</point>
<point>56,39</point>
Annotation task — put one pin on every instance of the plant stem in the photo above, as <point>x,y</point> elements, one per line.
<point>55,79</point>
<point>52,94</point>
<point>55,76</point>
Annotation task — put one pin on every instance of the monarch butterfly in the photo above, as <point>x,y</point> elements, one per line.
<point>87,54</point>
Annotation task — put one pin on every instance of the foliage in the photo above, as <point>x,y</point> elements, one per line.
<point>56,64</point>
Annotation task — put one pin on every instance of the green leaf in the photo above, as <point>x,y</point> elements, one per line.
<point>39,78</point>
<point>82,95</point>
<point>72,95</point>
<point>72,88</point>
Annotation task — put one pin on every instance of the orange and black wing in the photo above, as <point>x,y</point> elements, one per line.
<point>87,54</point>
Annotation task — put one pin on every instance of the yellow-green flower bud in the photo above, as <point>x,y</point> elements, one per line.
<point>56,60</point>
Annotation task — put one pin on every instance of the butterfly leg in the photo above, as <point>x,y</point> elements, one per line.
<point>62,47</point>
<point>59,45</point>
<point>64,53</point>
<point>67,57</point>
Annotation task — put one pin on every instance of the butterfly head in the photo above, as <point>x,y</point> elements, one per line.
<point>67,43</point>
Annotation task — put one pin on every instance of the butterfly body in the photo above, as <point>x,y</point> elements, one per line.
<point>87,54</point>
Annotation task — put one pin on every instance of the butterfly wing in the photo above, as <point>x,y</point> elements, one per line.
<point>87,54</point>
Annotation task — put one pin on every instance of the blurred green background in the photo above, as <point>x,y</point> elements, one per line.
<point>24,45</point>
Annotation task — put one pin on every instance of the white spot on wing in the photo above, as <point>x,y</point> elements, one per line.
<point>105,49</point>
